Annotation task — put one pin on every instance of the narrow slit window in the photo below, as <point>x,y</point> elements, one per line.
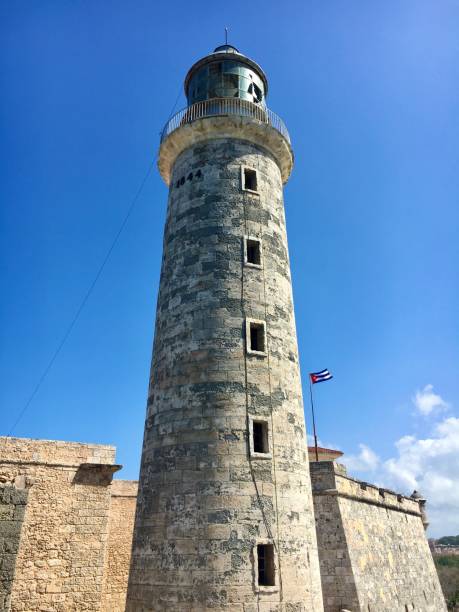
<point>253,251</point>
<point>266,573</point>
<point>260,437</point>
<point>257,339</point>
<point>249,179</point>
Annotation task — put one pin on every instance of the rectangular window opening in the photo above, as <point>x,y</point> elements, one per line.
<point>253,251</point>
<point>249,178</point>
<point>260,437</point>
<point>266,573</point>
<point>257,337</point>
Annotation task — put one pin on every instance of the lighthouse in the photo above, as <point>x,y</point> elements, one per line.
<point>224,518</point>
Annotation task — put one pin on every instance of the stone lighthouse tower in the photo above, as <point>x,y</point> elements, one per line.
<point>224,516</point>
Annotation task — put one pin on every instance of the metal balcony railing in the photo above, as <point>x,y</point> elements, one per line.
<point>224,106</point>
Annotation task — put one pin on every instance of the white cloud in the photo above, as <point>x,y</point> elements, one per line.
<point>430,465</point>
<point>426,401</point>
<point>365,461</point>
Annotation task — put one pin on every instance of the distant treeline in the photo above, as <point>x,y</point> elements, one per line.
<point>448,540</point>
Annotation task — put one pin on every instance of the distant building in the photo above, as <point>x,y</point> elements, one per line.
<point>444,549</point>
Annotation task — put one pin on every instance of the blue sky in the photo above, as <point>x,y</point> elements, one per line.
<point>370,94</point>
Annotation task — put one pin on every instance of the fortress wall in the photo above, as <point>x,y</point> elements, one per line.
<point>118,553</point>
<point>373,551</point>
<point>59,564</point>
<point>338,584</point>
<point>12,509</point>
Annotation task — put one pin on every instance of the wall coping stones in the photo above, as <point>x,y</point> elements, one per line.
<point>124,488</point>
<point>56,453</point>
<point>330,478</point>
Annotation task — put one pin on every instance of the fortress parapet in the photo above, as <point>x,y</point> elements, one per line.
<point>332,479</point>
<point>372,547</point>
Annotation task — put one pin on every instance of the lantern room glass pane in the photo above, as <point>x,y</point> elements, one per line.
<point>226,79</point>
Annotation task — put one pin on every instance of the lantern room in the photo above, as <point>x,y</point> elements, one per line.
<point>226,73</point>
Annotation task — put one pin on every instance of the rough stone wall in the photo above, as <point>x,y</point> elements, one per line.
<point>373,552</point>
<point>59,565</point>
<point>12,508</point>
<point>203,502</point>
<point>118,554</point>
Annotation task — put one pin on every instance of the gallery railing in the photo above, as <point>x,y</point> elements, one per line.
<point>224,106</point>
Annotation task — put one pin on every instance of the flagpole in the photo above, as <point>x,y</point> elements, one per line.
<point>313,421</point>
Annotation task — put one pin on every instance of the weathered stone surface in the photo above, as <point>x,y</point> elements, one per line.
<point>235,127</point>
<point>12,509</point>
<point>63,529</point>
<point>203,501</point>
<point>374,555</point>
<point>123,496</point>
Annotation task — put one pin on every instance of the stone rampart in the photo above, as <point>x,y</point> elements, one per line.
<point>118,554</point>
<point>60,560</point>
<point>374,556</point>
<point>66,534</point>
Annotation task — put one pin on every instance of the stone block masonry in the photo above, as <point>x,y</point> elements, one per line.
<point>12,509</point>
<point>123,496</point>
<point>224,517</point>
<point>55,529</point>
<point>373,552</point>
<point>205,502</point>
<point>66,535</point>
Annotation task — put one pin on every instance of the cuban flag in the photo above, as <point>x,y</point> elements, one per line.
<point>322,376</point>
